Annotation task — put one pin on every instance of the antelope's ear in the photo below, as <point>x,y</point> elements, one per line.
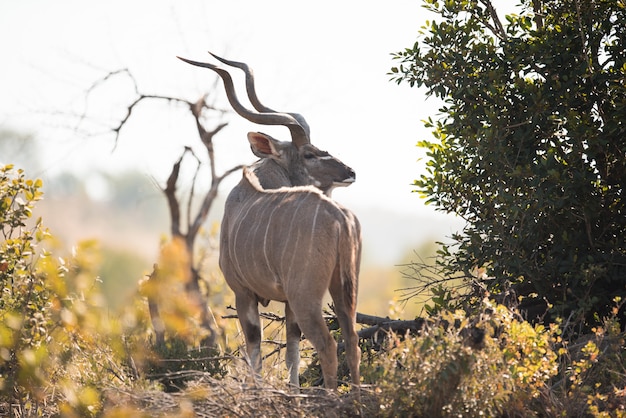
<point>264,146</point>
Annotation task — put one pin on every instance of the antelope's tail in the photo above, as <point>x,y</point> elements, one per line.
<point>350,261</point>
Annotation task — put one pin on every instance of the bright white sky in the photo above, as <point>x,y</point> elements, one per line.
<point>327,60</point>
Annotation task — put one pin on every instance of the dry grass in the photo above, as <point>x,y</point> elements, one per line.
<point>229,397</point>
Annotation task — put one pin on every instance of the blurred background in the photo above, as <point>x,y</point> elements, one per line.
<point>71,69</point>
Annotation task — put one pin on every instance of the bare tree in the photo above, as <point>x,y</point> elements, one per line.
<point>179,210</point>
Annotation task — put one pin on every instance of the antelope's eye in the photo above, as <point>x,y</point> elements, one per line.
<point>309,155</point>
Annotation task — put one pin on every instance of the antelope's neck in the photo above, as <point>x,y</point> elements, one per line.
<point>271,175</point>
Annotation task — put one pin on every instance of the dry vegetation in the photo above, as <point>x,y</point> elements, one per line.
<point>209,397</point>
<point>64,352</point>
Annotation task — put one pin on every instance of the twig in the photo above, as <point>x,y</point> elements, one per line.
<point>497,29</point>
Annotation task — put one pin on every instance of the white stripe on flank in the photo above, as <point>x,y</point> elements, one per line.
<point>308,257</point>
<point>317,209</point>
<point>287,237</point>
<point>267,229</point>
<point>294,252</point>
<point>258,219</point>
<point>233,245</point>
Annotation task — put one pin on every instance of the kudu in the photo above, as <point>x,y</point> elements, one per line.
<point>283,239</point>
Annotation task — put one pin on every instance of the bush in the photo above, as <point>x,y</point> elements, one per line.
<point>593,371</point>
<point>175,364</point>
<point>445,372</point>
<point>63,352</point>
<point>25,319</point>
<point>59,345</point>
<point>529,146</point>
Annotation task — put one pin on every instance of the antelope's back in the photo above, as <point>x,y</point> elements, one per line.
<point>274,240</point>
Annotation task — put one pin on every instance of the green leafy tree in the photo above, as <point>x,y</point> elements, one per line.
<point>530,145</point>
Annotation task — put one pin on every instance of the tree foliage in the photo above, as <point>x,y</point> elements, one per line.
<point>530,144</point>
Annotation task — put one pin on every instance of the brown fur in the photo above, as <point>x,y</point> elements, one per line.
<point>292,244</point>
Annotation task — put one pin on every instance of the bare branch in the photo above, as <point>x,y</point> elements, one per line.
<point>538,14</point>
<point>191,237</point>
<point>195,107</point>
<point>497,27</point>
<point>208,200</point>
<point>207,140</point>
<point>230,171</point>
<point>267,315</point>
<point>170,194</point>
<point>100,81</point>
<point>206,136</point>
<point>155,315</point>
<point>129,110</point>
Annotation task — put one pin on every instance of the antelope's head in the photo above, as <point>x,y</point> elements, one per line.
<point>305,164</point>
<point>301,162</point>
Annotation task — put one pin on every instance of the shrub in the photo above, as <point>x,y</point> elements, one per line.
<point>25,300</point>
<point>443,372</point>
<point>593,378</point>
<point>59,345</point>
<point>176,364</point>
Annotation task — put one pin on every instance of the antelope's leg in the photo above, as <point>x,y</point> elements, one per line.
<point>308,314</point>
<point>347,321</point>
<point>293,346</point>
<point>248,313</point>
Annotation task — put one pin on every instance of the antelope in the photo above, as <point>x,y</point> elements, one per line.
<point>284,239</point>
